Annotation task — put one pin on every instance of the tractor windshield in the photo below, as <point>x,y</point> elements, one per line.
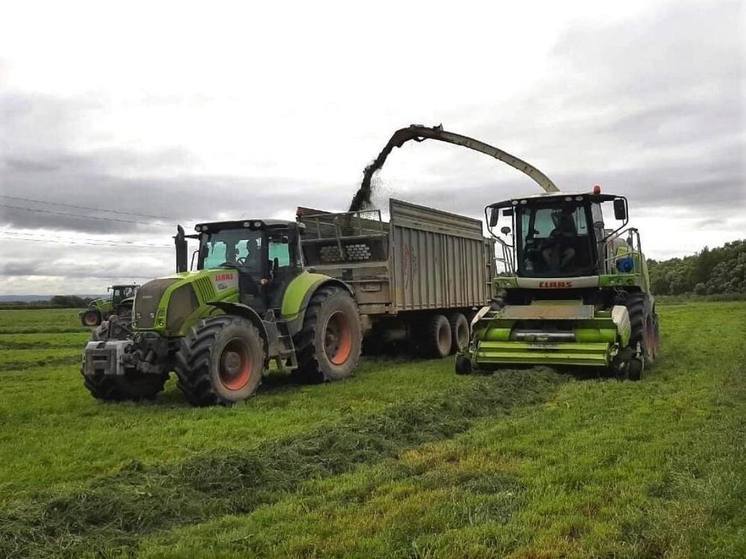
<point>237,247</point>
<point>122,292</point>
<point>554,240</point>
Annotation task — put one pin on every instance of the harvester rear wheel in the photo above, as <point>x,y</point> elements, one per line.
<point>329,344</point>
<point>220,361</point>
<point>91,318</point>
<point>437,336</point>
<point>459,332</point>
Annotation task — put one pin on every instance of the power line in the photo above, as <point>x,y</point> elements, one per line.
<point>120,212</point>
<point>81,241</point>
<point>79,216</point>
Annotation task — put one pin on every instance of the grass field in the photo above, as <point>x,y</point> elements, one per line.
<point>406,459</point>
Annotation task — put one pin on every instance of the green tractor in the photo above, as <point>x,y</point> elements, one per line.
<point>101,309</point>
<point>249,302</point>
<point>575,290</point>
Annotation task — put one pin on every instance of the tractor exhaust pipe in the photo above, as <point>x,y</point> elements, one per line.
<point>181,249</point>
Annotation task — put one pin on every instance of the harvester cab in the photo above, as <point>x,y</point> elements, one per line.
<point>574,288</point>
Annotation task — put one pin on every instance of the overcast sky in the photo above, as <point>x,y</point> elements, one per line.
<point>183,112</point>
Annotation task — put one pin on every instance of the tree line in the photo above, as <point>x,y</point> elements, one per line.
<point>721,270</point>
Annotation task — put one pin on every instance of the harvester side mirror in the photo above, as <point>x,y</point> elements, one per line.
<point>505,230</point>
<point>494,216</point>
<point>181,249</point>
<point>620,209</point>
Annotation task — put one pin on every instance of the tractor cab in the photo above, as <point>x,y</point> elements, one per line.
<point>265,253</point>
<point>121,292</point>
<point>557,235</point>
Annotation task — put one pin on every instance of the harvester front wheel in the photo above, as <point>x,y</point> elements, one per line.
<point>330,341</point>
<point>91,318</point>
<point>438,338</point>
<point>459,332</point>
<point>220,361</point>
<point>643,335</point>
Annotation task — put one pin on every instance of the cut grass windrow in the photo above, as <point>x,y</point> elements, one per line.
<point>13,366</point>
<point>111,515</point>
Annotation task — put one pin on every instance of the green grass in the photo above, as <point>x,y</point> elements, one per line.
<point>404,460</point>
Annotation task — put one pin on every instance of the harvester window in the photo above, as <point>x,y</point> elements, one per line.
<point>554,240</point>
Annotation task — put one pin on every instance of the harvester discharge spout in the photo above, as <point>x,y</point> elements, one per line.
<point>419,133</point>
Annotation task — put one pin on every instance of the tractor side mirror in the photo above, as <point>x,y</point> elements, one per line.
<point>505,230</point>
<point>494,216</point>
<point>620,209</point>
<point>181,250</point>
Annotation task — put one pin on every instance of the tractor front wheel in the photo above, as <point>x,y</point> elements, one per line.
<point>130,386</point>
<point>330,342</point>
<point>220,361</point>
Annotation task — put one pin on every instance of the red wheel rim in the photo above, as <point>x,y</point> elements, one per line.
<point>90,319</point>
<point>338,338</point>
<point>235,365</point>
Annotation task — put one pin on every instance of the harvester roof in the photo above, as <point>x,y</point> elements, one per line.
<point>552,196</point>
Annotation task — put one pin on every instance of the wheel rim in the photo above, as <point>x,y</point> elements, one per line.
<point>90,318</point>
<point>235,366</point>
<point>462,336</point>
<point>338,338</point>
<point>444,340</point>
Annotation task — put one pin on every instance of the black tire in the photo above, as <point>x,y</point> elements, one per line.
<point>459,332</point>
<point>438,339</point>
<point>130,386</point>
<point>329,344</point>
<point>90,318</point>
<point>644,333</point>
<point>220,361</point>
<point>463,365</point>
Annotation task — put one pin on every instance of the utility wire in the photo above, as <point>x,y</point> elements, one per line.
<point>80,216</point>
<point>121,212</point>
<point>81,241</point>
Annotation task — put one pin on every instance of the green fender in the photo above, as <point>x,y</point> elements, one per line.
<point>298,294</point>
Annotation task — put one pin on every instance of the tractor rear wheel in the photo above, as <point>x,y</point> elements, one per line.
<point>220,361</point>
<point>438,339</point>
<point>330,341</point>
<point>91,318</point>
<point>459,332</point>
<point>130,386</point>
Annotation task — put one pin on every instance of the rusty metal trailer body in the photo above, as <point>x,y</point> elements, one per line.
<point>422,273</point>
